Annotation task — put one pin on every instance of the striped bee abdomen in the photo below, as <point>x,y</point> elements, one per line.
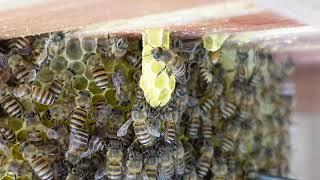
<point>114,170</point>
<point>21,73</point>
<point>42,96</point>
<point>78,139</point>
<point>78,119</point>
<point>100,77</point>
<point>8,134</point>
<point>194,127</point>
<point>35,137</point>
<point>55,88</point>
<point>170,132</point>
<point>142,133</point>
<point>42,168</point>
<point>11,106</point>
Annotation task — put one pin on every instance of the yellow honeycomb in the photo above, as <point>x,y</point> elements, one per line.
<point>157,88</point>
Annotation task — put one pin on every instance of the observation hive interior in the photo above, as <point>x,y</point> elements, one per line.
<point>150,107</point>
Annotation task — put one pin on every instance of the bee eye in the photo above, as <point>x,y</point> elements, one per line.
<point>156,56</point>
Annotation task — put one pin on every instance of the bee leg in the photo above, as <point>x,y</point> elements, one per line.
<point>162,70</point>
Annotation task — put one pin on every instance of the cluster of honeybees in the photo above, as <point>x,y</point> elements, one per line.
<point>72,108</point>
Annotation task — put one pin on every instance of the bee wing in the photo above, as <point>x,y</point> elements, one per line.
<point>153,131</point>
<point>100,173</point>
<point>5,148</point>
<point>124,128</point>
<point>52,134</point>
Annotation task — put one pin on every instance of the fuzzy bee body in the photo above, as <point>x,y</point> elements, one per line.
<point>141,131</point>
<point>134,166</point>
<point>206,129</point>
<point>11,106</point>
<point>204,161</point>
<point>194,126</point>
<point>8,134</point>
<point>21,45</point>
<point>170,132</point>
<point>230,137</point>
<point>118,48</point>
<point>166,166</point>
<point>42,168</point>
<point>42,95</point>
<point>175,63</point>
<point>78,119</point>
<point>21,73</point>
<point>35,137</point>
<point>78,140</point>
<point>114,168</point>
<point>100,77</point>
<point>56,88</point>
<point>151,167</point>
<point>179,163</point>
<point>228,108</point>
<point>135,59</point>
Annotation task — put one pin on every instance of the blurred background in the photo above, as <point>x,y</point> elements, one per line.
<point>290,26</point>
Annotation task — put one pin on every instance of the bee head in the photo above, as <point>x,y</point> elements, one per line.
<point>122,43</point>
<point>156,53</point>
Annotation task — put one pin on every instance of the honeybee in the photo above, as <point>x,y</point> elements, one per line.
<point>150,167</point>
<point>54,44</point>
<point>120,84</point>
<point>205,71</point>
<point>211,99</point>
<point>47,48</point>
<point>84,99</point>
<point>95,144</point>
<point>100,77</point>
<point>135,59</point>
<point>78,119</point>
<point>142,129</point>
<point>23,74</point>
<point>175,63</point>
<point>113,166</point>
<point>56,88</point>
<point>12,106</point>
<point>21,46</point>
<point>38,163</point>
<point>118,47</point>
<point>101,112</point>
<point>241,60</point>
<point>7,134</point>
<point>35,137</point>
<point>78,141</point>
<point>41,95</point>
<point>179,160</point>
<point>205,159</point>
<point>219,169</point>
<point>231,133</point>
<point>206,128</point>
<point>228,107</point>
<point>166,163</point>
<point>170,128</point>
<point>134,165</point>
<point>194,124</point>
<point>186,45</point>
